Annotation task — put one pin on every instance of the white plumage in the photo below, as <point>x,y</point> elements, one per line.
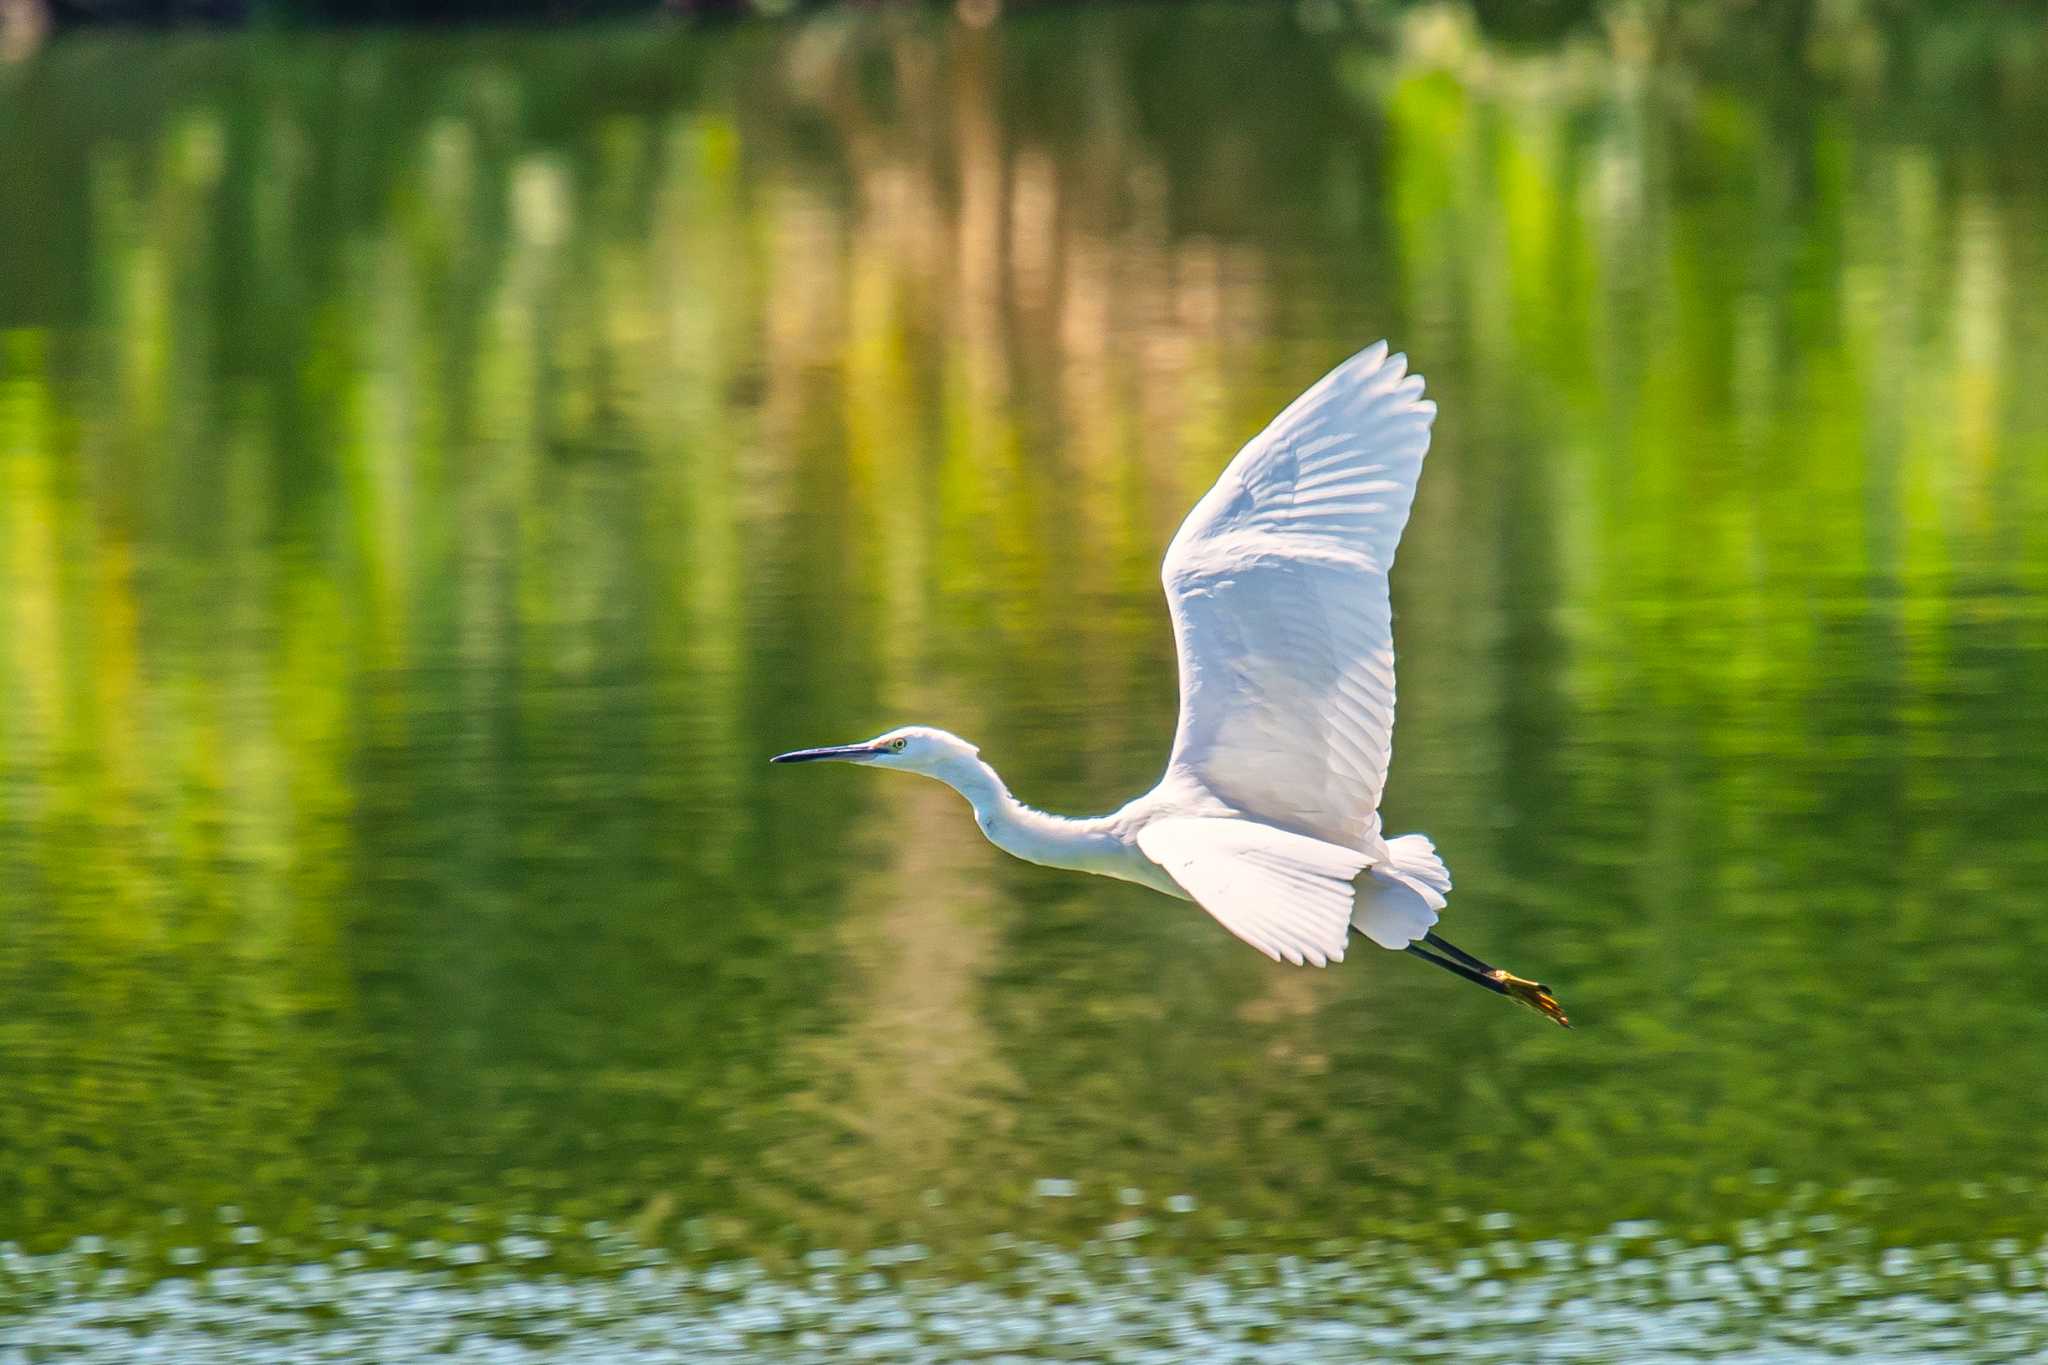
<point>1286,894</point>
<point>1268,813</point>
<point>1277,583</point>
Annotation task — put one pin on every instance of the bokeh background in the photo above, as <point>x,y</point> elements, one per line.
<point>438,467</point>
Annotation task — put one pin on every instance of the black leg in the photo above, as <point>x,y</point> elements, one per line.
<point>1476,977</point>
<point>1453,951</point>
<point>1458,962</point>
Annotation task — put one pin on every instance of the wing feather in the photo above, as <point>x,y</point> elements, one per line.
<point>1286,894</point>
<point>1277,584</point>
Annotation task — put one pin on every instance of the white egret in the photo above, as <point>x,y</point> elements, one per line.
<point>1268,814</point>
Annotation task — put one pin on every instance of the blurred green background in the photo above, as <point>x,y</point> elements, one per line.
<point>438,468</point>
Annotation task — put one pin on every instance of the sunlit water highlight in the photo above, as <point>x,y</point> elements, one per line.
<point>1788,1294</point>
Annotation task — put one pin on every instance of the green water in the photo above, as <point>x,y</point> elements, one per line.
<point>436,471</point>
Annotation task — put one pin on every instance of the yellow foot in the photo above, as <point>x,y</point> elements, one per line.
<point>1533,994</point>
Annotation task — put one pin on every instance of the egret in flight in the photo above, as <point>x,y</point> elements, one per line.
<point>1268,814</point>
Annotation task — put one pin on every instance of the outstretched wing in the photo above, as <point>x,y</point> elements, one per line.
<point>1277,583</point>
<point>1286,894</point>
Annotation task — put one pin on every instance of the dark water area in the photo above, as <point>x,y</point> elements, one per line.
<point>438,469</point>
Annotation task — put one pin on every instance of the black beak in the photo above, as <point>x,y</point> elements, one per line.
<point>841,751</point>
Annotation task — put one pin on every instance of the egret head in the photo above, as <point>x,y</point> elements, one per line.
<point>913,748</point>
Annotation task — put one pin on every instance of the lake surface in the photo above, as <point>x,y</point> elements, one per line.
<point>437,470</point>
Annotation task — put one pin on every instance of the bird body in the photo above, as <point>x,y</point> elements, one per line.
<point>1268,812</point>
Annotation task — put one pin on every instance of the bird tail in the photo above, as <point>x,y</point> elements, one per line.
<point>1398,897</point>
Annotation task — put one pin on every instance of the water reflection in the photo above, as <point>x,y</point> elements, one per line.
<point>435,471</point>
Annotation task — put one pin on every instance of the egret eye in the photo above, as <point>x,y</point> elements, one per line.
<point>898,745</point>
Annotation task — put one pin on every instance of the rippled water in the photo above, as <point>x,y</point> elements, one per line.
<point>436,470</point>
<point>1792,1290</point>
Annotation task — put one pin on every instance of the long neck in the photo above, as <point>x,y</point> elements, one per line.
<point>1017,829</point>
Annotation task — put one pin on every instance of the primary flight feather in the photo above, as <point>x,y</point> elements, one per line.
<point>1268,813</point>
